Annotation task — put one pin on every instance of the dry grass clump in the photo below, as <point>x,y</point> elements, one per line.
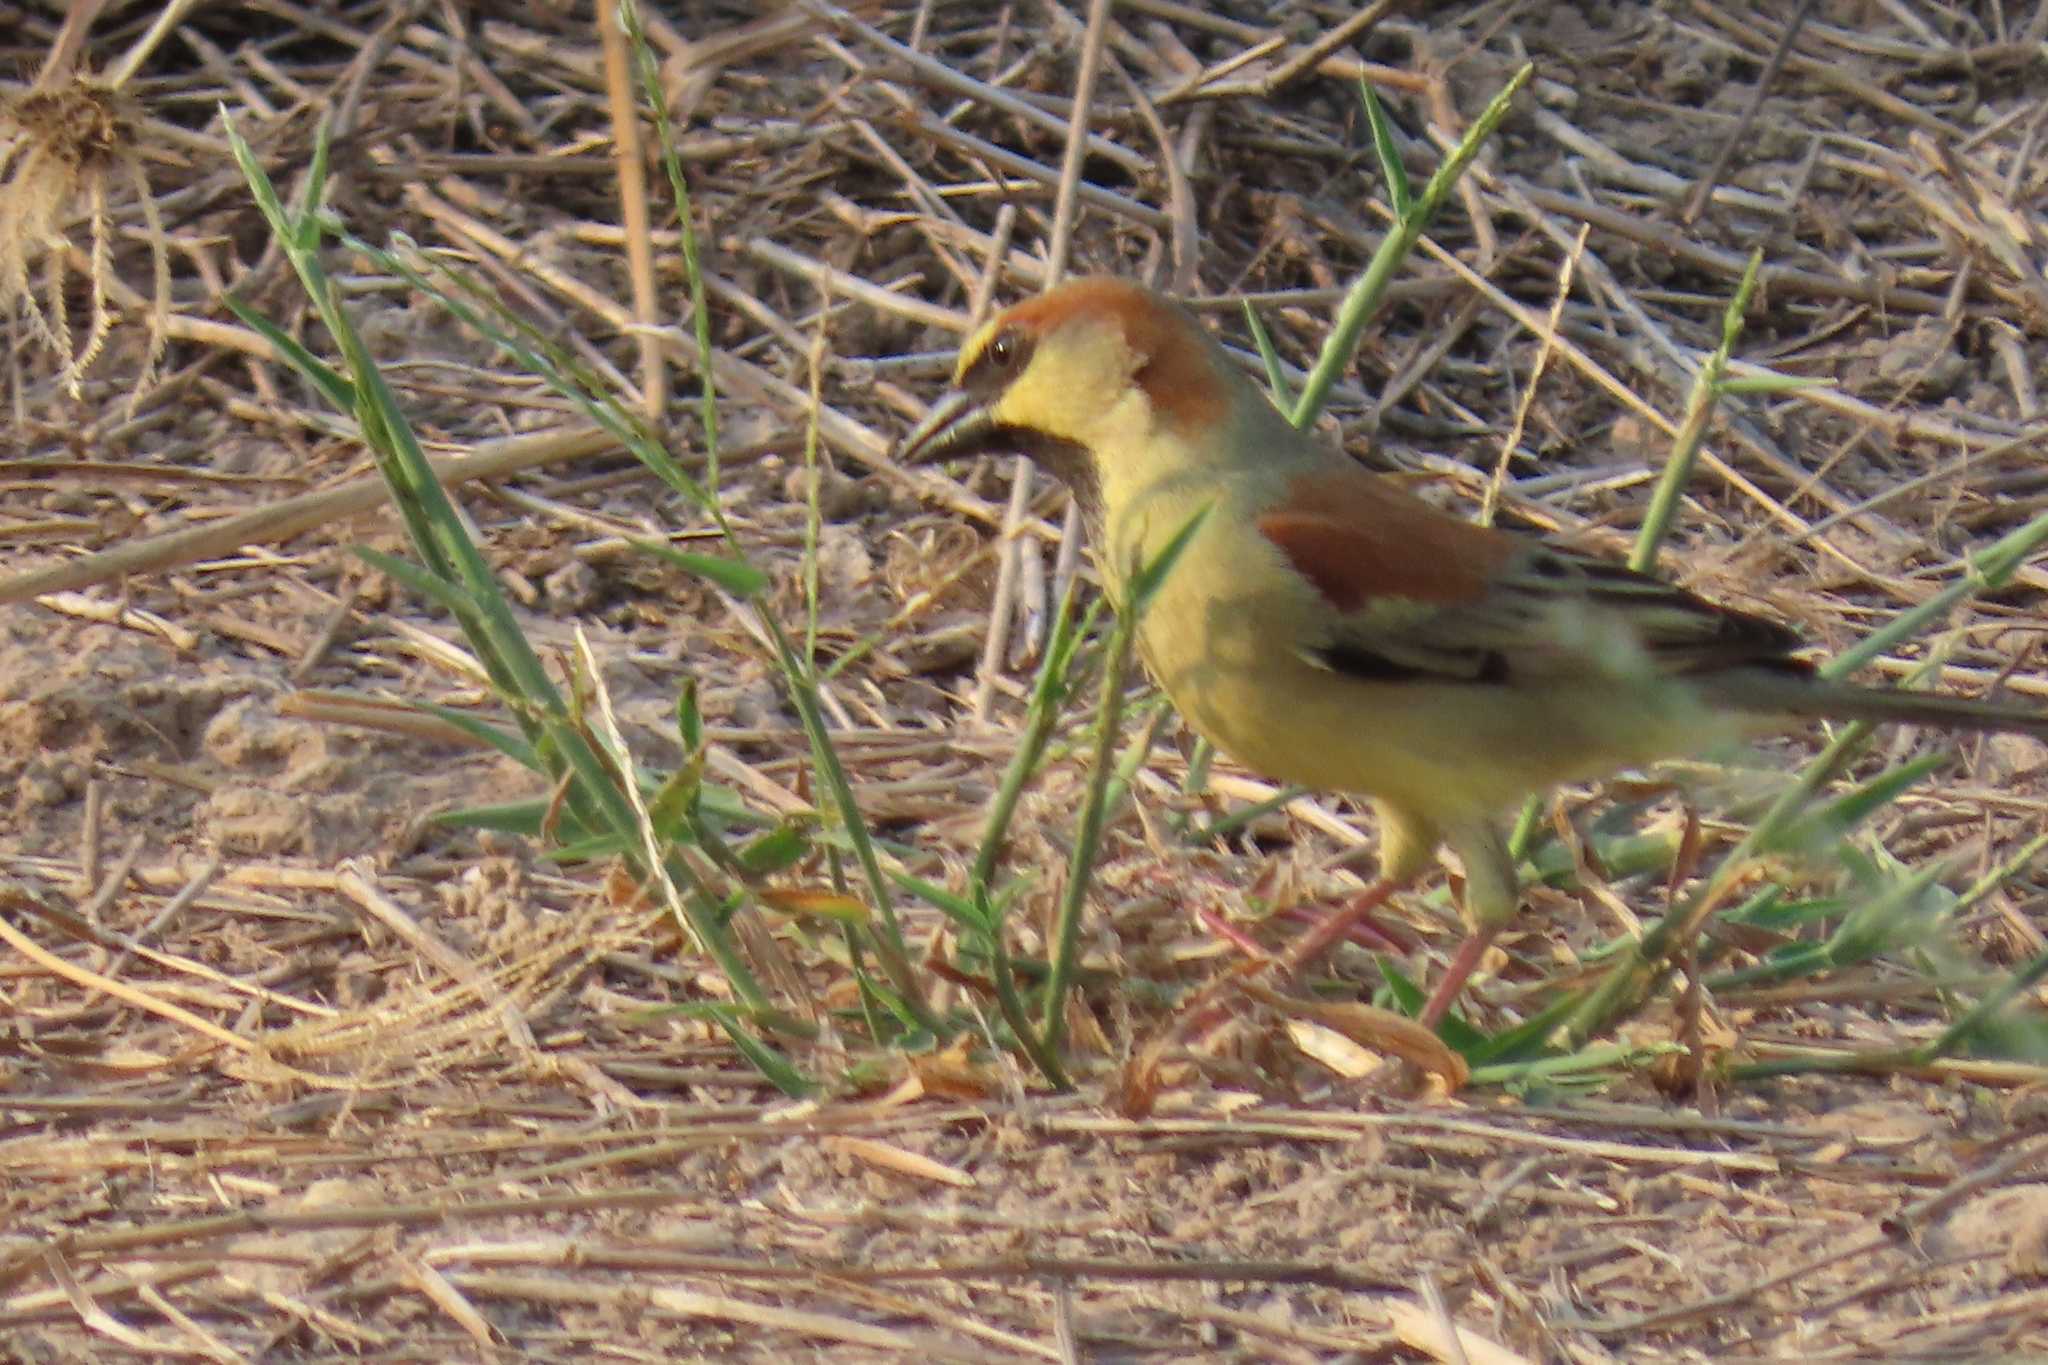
<point>66,150</point>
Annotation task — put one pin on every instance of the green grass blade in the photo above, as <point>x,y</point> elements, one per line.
<point>735,576</point>
<point>1400,194</point>
<point>1276,375</point>
<point>1142,587</point>
<point>1049,696</point>
<point>1692,432</point>
<point>1364,298</point>
<point>514,747</point>
<point>333,387</point>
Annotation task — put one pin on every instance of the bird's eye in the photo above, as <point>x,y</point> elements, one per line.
<point>999,361</point>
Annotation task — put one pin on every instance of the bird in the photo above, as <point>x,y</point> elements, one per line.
<point>1326,627</point>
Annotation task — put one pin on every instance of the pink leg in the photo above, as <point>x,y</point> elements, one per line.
<point>1462,966</point>
<point>1337,925</point>
<point>1232,935</point>
<point>1366,933</point>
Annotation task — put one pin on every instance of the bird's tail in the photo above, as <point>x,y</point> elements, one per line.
<point>1784,694</point>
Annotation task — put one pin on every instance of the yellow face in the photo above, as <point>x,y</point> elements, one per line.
<point>1083,379</point>
<point>1072,385</point>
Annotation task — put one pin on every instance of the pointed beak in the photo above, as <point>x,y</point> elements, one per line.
<point>958,424</point>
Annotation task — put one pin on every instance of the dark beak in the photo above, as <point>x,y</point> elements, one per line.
<point>958,424</point>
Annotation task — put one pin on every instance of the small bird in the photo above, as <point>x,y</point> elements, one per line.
<point>1326,628</point>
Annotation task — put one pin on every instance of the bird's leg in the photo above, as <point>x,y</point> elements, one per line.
<point>1207,1013</point>
<point>1231,934</point>
<point>1367,933</point>
<point>1455,976</point>
<point>1492,895</point>
<point>1338,924</point>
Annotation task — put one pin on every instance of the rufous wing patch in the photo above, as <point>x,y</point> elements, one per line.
<point>1359,540</point>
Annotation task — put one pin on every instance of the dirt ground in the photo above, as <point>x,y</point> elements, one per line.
<point>289,1070</point>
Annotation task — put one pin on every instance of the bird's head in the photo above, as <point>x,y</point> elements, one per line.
<point>1086,380</point>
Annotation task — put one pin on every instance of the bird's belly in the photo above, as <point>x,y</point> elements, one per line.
<point>1446,751</point>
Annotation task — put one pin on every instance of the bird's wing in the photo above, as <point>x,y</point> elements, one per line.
<point>1416,594</point>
